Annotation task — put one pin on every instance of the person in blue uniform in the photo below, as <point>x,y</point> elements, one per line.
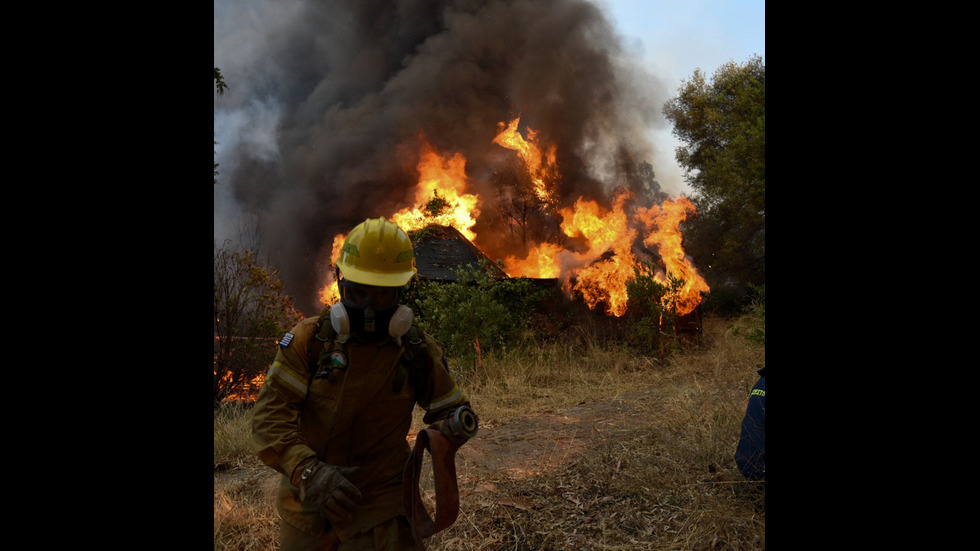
<point>750,455</point>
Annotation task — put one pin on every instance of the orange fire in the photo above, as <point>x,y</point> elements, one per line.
<point>330,293</point>
<point>542,262</point>
<point>443,182</point>
<point>440,198</point>
<point>538,164</point>
<point>664,222</point>
<point>599,264</point>
<point>604,231</point>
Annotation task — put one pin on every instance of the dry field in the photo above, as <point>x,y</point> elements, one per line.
<point>582,445</point>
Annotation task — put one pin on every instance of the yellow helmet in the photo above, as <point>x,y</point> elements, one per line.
<point>377,252</point>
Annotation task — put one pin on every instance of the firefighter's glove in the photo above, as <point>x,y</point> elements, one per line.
<point>328,488</point>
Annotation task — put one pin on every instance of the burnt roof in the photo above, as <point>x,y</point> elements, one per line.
<point>441,250</point>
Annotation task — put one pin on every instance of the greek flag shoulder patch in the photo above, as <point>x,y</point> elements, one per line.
<point>285,340</point>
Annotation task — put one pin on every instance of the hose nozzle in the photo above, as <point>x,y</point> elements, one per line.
<point>463,423</point>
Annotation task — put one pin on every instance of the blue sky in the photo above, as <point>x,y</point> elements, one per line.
<point>675,37</point>
<point>678,36</point>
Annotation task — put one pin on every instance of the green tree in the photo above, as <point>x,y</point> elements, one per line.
<point>722,124</point>
<point>251,311</point>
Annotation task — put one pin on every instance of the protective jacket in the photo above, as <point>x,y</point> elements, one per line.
<point>350,405</point>
<point>750,455</point>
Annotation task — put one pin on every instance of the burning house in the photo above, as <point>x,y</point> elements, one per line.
<point>440,251</point>
<point>594,256</point>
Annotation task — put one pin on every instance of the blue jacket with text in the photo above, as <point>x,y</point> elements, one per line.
<point>750,455</point>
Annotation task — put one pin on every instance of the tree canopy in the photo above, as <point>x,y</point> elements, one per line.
<point>722,124</point>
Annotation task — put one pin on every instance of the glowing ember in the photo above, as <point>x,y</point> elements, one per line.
<point>249,389</point>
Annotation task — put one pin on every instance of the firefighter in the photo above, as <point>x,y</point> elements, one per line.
<point>335,410</point>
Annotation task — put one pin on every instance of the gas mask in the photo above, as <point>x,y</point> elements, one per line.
<point>369,312</point>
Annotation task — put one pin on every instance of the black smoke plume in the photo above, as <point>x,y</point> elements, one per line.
<point>328,102</point>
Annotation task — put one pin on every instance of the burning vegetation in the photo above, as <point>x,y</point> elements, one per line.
<point>595,255</point>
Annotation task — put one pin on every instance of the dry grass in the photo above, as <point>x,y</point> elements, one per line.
<point>666,482</point>
<point>551,375</point>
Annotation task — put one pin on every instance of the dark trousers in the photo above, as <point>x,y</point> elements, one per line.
<point>391,535</point>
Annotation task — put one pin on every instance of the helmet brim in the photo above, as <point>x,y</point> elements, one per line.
<point>379,279</point>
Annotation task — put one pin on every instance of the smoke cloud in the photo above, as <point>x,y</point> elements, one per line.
<point>328,102</point>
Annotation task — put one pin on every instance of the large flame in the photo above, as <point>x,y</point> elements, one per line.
<point>330,293</point>
<point>539,164</point>
<point>542,262</point>
<point>664,222</point>
<point>440,198</point>
<point>599,262</point>
<point>605,231</point>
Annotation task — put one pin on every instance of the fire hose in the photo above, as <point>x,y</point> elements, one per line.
<point>462,425</point>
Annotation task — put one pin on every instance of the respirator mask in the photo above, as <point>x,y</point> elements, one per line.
<point>370,312</point>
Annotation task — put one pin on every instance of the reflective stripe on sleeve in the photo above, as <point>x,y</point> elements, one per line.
<point>288,377</point>
<point>456,395</point>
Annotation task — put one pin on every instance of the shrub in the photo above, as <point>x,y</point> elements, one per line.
<point>251,311</point>
<point>651,312</point>
<point>475,307</point>
<point>754,319</point>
